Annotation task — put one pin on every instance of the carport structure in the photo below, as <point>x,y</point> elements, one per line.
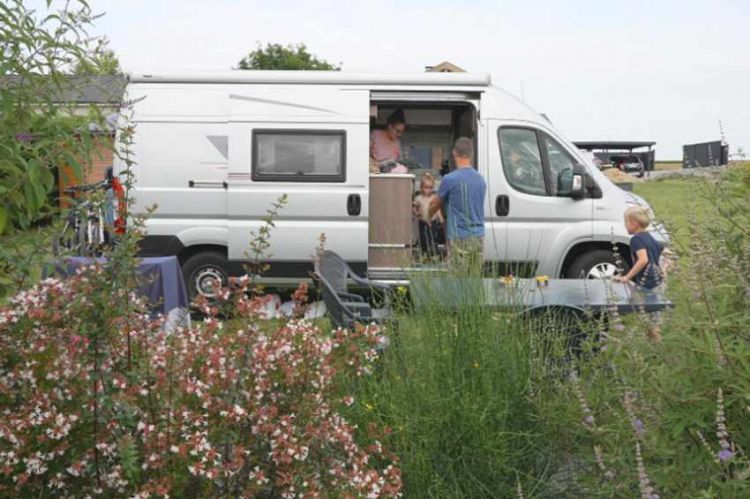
<point>607,151</point>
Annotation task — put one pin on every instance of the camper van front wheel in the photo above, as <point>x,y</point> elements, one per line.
<point>205,274</point>
<point>594,264</point>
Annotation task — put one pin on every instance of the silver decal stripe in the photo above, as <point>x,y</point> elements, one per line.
<point>221,143</point>
<point>279,103</point>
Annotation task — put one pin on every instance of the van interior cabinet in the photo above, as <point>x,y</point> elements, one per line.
<point>390,221</point>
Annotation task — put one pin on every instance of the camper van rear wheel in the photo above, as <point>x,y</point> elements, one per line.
<point>205,274</point>
<point>594,264</point>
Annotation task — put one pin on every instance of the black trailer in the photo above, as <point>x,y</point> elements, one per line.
<point>714,153</point>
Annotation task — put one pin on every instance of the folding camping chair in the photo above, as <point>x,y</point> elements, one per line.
<point>346,308</point>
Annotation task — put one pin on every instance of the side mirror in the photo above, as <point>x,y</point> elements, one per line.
<point>578,187</point>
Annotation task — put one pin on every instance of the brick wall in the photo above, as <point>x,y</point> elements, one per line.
<point>93,169</point>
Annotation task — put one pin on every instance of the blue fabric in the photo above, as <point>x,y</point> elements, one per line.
<point>160,277</point>
<point>651,275</point>
<point>462,192</point>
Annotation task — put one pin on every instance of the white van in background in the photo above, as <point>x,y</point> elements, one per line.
<point>215,150</point>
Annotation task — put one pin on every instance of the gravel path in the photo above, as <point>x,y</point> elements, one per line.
<point>701,172</point>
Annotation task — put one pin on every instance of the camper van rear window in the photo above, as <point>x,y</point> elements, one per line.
<point>299,155</point>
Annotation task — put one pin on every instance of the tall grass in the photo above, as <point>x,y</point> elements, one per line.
<point>457,388</point>
<point>486,404</point>
<point>670,418</point>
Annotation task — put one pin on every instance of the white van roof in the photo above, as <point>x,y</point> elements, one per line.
<point>317,78</point>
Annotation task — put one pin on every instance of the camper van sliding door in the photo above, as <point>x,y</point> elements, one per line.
<point>305,148</point>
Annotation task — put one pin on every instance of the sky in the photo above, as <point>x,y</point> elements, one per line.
<point>663,70</point>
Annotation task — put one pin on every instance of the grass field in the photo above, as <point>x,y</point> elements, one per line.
<point>674,201</point>
<point>677,203</point>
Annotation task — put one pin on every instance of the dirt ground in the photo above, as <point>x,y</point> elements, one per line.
<point>667,165</point>
<point>619,177</point>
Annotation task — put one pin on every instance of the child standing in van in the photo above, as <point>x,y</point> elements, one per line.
<point>645,253</point>
<point>430,228</point>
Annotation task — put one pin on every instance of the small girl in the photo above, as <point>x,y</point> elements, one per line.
<point>430,228</point>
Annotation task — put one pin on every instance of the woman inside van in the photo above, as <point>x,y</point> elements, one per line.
<point>385,145</point>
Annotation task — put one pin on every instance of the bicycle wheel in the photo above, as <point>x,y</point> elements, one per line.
<point>65,241</point>
<point>81,244</point>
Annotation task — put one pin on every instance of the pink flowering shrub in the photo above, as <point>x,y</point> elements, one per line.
<point>96,398</point>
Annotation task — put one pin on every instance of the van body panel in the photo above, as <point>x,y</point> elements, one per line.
<point>196,163</point>
<point>313,208</point>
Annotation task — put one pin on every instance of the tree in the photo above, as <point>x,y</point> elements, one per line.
<point>38,48</point>
<point>277,56</point>
<point>103,62</point>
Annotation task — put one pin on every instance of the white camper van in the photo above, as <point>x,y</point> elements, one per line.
<point>214,151</point>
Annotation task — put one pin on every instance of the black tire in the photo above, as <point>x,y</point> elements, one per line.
<point>201,266</point>
<point>82,239</point>
<point>583,264</point>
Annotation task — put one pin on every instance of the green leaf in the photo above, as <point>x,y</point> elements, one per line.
<point>3,219</point>
<point>129,458</point>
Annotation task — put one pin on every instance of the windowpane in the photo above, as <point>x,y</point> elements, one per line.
<point>522,161</point>
<point>298,156</point>
<point>561,168</point>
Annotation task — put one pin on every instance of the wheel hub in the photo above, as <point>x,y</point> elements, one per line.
<point>604,270</point>
<point>208,281</point>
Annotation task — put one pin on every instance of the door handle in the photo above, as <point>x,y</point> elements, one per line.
<point>502,205</point>
<point>353,205</point>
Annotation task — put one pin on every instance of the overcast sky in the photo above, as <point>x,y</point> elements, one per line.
<point>662,70</point>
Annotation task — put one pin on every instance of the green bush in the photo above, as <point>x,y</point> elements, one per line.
<point>98,398</point>
<point>670,417</point>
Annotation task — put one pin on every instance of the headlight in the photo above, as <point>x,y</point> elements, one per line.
<point>660,234</point>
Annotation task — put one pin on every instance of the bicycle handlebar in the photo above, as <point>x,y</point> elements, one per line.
<point>103,185</point>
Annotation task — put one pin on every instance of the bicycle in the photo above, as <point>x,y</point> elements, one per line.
<point>84,232</point>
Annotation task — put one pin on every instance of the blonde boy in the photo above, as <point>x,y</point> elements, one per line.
<point>644,250</point>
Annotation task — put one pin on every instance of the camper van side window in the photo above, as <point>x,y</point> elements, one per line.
<point>299,155</point>
<point>561,166</point>
<point>522,160</point>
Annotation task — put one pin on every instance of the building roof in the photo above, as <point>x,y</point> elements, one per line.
<point>101,90</point>
<point>316,78</point>
<point>445,67</point>
<point>610,145</point>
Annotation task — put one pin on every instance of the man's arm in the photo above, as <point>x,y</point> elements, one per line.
<point>436,204</point>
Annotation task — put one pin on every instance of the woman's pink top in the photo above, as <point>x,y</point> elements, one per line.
<point>382,148</point>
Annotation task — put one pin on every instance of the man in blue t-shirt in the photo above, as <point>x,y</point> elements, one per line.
<point>461,197</point>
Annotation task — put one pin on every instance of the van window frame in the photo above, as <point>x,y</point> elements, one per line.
<point>541,135</point>
<point>551,182</point>
<point>542,158</point>
<point>315,178</point>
